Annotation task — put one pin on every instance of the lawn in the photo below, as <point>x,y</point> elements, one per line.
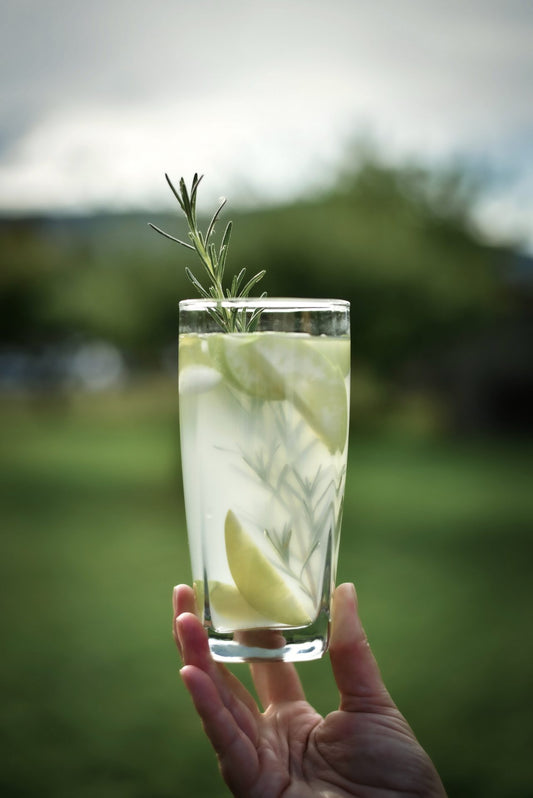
<point>437,536</point>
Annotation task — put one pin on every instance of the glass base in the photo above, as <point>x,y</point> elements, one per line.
<point>272,645</point>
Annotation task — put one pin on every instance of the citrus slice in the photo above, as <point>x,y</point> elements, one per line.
<point>337,350</point>
<point>315,385</point>
<point>193,351</point>
<point>274,366</point>
<point>238,359</point>
<point>226,601</point>
<point>256,579</point>
<point>197,373</point>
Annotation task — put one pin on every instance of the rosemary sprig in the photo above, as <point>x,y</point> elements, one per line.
<point>213,260</point>
<point>283,475</point>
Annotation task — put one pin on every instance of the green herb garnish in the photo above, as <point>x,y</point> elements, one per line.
<point>214,262</point>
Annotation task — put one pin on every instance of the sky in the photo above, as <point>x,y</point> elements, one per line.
<point>98,100</point>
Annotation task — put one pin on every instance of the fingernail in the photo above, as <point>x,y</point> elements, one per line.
<point>177,638</point>
<point>346,623</point>
<point>184,671</point>
<point>175,598</point>
<point>177,627</point>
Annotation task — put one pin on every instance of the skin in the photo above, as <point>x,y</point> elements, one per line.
<point>365,748</point>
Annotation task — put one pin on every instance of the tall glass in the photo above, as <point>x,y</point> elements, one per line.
<point>264,438</point>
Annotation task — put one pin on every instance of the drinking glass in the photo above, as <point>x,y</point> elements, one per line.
<point>264,404</point>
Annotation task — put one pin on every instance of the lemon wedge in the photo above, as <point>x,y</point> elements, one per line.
<point>197,373</point>
<point>228,605</point>
<point>256,579</point>
<point>337,350</point>
<point>193,351</point>
<point>315,385</point>
<point>244,368</point>
<point>274,366</point>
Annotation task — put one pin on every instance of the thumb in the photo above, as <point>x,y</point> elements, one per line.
<point>355,670</point>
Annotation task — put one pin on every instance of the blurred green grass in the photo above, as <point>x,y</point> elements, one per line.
<point>437,536</point>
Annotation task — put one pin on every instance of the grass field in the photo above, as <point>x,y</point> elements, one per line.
<point>438,537</point>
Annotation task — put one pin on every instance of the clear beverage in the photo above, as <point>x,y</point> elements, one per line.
<point>264,432</point>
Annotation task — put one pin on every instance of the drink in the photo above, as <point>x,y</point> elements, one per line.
<point>264,428</point>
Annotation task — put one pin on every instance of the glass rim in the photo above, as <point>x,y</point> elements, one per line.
<point>266,303</point>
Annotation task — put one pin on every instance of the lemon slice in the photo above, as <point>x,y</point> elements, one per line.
<point>257,580</point>
<point>229,606</point>
<point>272,366</point>
<point>227,601</point>
<point>337,350</point>
<point>193,351</point>
<point>197,372</point>
<point>315,385</point>
<point>238,359</point>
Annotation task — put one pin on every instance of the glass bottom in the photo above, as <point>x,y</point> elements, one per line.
<point>272,645</point>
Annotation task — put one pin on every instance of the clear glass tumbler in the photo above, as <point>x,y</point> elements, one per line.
<point>264,437</point>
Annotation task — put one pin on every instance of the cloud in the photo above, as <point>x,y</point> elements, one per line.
<point>102,98</point>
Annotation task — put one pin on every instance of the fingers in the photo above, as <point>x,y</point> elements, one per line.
<point>355,670</point>
<point>183,600</point>
<point>236,751</point>
<point>196,652</point>
<point>276,682</point>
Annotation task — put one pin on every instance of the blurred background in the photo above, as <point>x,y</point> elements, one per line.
<point>380,153</point>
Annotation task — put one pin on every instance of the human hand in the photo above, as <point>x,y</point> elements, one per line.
<point>365,748</point>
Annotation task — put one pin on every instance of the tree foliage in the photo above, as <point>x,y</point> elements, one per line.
<point>397,242</point>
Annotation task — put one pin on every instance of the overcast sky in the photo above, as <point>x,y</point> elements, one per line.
<point>100,98</point>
